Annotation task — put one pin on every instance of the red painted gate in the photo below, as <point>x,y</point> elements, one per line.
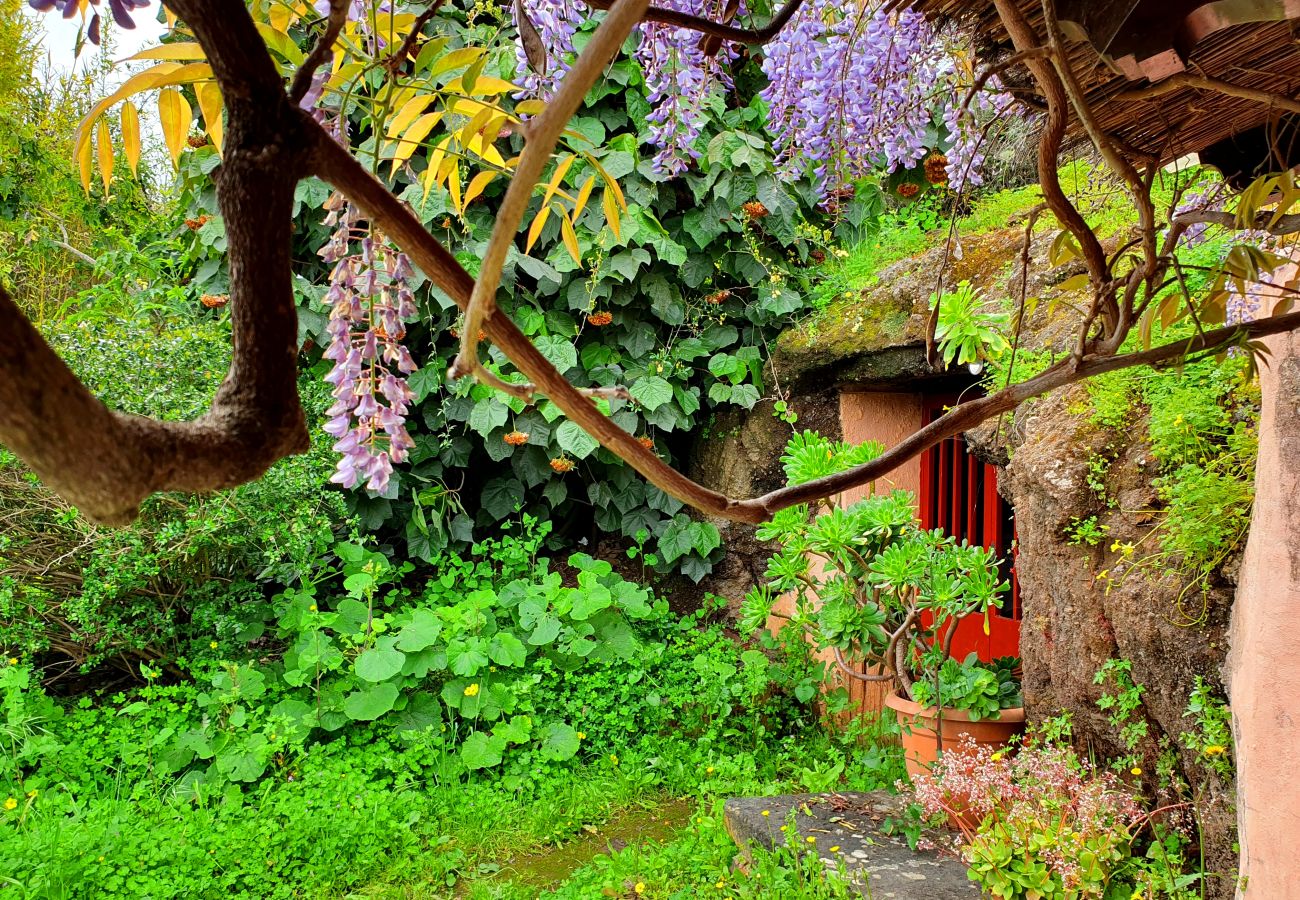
<point>959,494</point>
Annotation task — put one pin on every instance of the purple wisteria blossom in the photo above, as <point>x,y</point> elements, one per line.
<point>370,301</point>
<point>555,21</point>
<point>851,89</point>
<point>965,166</point>
<point>121,10</point>
<point>679,76</point>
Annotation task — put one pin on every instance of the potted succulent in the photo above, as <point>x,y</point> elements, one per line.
<point>868,584</point>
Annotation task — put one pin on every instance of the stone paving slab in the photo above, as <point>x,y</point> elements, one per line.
<point>881,866</point>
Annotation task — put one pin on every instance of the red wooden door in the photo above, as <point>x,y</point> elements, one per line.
<point>959,494</point>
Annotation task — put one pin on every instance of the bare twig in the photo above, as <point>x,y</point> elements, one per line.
<point>715,29</point>
<point>1215,85</point>
<point>394,62</point>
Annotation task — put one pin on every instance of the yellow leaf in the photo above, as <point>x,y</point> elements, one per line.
<point>453,187</point>
<point>431,49</point>
<point>455,59</point>
<point>483,86</point>
<point>560,171</point>
<point>611,213</point>
<point>164,73</point>
<point>84,165</point>
<point>431,176</point>
<point>530,107</point>
<point>535,230</point>
<point>414,136</point>
<point>182,50</point>
<point>408,113</point>
<point>478,184</point>
<point>174,114</point>
<point>1074,283</point>
<point>209,96</point>
<point>131,135</point>
<point>281,17</point>
<point>104,144</point>
<point>281,43</point>
<point>583,196</point>
<point>570,239</point>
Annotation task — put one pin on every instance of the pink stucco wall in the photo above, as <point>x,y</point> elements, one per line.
<point>1263,667</point>
<point>884,417</point>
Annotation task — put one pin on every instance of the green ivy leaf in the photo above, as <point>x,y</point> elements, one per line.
<point>559,742</point>
<point>558,351</point>
<point>574,440</point>
<point>370,703</point>
<point>481,751</point>
<point>651,392</point>
<point>487,415</point>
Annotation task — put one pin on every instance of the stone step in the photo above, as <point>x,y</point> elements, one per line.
<point>881,866</point>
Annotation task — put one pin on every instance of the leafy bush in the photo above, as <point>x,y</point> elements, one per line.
<point>192,569</point>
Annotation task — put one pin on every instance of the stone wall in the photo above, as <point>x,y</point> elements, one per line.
<point>1082,607</point>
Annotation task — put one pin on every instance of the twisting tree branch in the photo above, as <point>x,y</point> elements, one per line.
<point>1215,85</point>
<point>715,29</point>
<point>540,139</point>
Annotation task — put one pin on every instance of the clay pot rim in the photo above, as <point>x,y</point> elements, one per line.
<point>897,702</point>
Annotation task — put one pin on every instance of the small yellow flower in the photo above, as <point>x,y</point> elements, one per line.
<point>640,887</point>
<point>11,803</point>
<point>785,827</point>
<point>312,607</point>
<point>996,756</point>
<point>31,795</point>
<point>101,859</point>
<point>709,770</point>
<point>213,645</point>
<point>720,885</point>
<point>1215,749</point>
<point>810,839</point>
<point>835,849</point>
<point>582,735</point>
<point>767,812</point>
<point>613,757</point>
<point>471,690</point>
<point>13,660</point>
<point>1136,770</point>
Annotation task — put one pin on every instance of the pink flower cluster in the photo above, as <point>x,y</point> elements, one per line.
<point>1043,799</point>
<point>370,301</point>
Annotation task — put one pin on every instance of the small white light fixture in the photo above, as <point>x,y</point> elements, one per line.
<point>975,367</point>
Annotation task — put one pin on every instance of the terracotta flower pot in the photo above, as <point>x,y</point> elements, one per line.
<point>918,724</point>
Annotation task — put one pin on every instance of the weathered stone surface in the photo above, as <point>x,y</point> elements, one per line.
<point>1080,608</point>
<point>740,456</point>
<point>881,866</point>
<point>877,336</point>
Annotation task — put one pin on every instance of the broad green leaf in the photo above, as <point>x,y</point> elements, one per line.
<point>651,391</point>
<point>421,632</point>
<point>481,751</point>
<point>379,665</point>
<point>574,440</point>
<point>559,742</point>
<point>370,703</point>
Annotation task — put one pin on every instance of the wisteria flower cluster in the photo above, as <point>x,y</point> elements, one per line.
<point>966,156</point>
<point>555,22</point>
<point>1041,809</point>
<point>370,300</point>
<point>679,76</point>
<point>121,10</point>
<point>851,88</point>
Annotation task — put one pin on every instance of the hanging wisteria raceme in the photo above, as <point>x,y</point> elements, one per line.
<point>542,64</point>
<point>679,76</point>
<point>370,301</point>
<point>121,9</point>
<point>969,137</point>
<point>852,89</point>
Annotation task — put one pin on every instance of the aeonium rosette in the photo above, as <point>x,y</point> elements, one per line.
<point>370,301</point>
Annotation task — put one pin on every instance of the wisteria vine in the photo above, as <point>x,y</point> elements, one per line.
<point>369,300</point>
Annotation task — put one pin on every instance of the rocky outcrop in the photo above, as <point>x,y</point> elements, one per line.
<point>740,455</point>
<point>1083,605</point>
<point>877,335</point>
